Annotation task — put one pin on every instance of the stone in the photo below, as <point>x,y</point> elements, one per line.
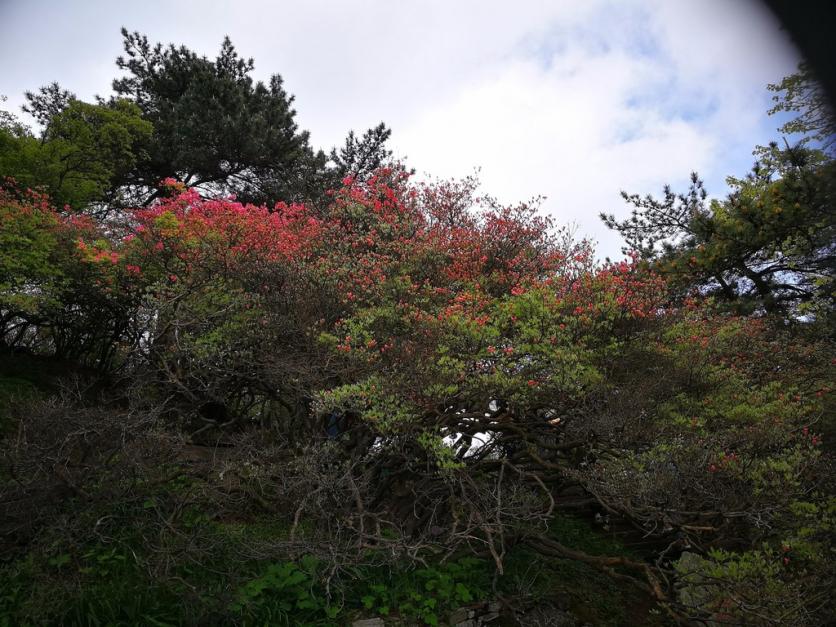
<point>459,615</point>
<point>369,622</point>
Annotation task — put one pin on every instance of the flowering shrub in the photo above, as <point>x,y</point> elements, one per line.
<point>64,287</point>
<point>460,364</point>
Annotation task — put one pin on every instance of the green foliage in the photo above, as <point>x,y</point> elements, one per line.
<point>177,114</point>
<point>361,157</point>
<point>86,152</point>
<point>769,244</point>
<point>801,93</point>
<point>428,594</point>
<point>766,582</point>
<point>386,411</point>
<point>765,246</point>
<point>111,584</point>
<point>62,288</point>
<point>214,126</point>
<point>285,593</point>
<point>29,265</point>
<point>439,451</point>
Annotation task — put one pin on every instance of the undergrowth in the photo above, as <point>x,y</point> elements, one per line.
<point>120,579</point>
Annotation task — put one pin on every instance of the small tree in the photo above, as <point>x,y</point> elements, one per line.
<point>84,154</point>
<point>215,128</point>
<point>769,244</point>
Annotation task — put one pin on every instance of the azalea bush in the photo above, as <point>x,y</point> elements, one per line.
<point>414,370</point>
<point>64,287</point>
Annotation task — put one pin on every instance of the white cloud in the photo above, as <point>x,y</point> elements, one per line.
<point>565,132</point>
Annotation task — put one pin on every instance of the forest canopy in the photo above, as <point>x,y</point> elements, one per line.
<point>243,380</point>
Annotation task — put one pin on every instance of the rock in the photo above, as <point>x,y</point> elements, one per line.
<point>368,622</point>
<point>486,618</point>
<point>545,615</point>
<point>459,615</point>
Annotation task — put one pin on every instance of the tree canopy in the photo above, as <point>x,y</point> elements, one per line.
<point>84,155</point>
<point>769,243</point>
<point>177,114</point>
<point>213,125</point>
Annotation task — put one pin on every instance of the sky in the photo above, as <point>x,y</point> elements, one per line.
<point>567,99</point>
